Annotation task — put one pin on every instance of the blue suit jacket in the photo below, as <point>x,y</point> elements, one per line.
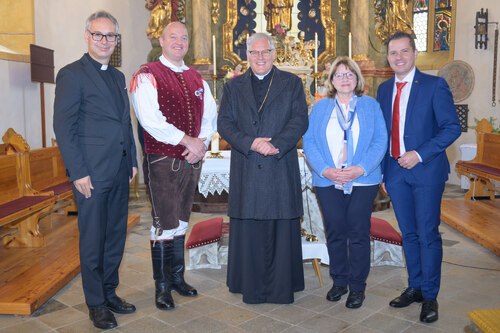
<point>372,141</point>
<point>431,126</point>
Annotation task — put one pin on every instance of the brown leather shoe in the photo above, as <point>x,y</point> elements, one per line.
<point>408,296</point>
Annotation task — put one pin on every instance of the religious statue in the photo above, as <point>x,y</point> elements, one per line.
<point>278,12</point>
<point>391,16</point>
<point>161,13</point>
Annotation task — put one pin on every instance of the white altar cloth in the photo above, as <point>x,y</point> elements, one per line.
<point>215,179</point>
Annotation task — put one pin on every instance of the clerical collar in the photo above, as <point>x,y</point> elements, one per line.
<point>261,77</point>
<point>175,68</point>
<point>96,63</point>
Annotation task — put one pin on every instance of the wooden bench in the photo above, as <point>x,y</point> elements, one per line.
<point>484,168</point>
<point>47,174</point>
<point>20,207</point>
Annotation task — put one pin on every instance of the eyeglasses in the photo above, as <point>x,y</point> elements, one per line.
<point>97,36</point>
<point>263,53</point>
<point>348,75</point>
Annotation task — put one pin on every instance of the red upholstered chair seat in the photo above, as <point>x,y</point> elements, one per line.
<point>205,232</point>
<point>383,231</point>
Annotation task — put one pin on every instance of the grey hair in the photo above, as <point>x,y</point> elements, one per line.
<point>102,14</point>
<point>258,36</point>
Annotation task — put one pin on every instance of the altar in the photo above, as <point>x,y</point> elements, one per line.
<point>214,180</point>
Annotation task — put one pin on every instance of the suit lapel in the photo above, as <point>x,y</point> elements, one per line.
<point>123,91</point>
<point>415,87</point>
<point>245,85</point>
<point>277,86</point>
<point>101,86</point>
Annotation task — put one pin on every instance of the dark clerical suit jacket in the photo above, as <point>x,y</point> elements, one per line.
<point>94,133</point>
<point>264,188</point>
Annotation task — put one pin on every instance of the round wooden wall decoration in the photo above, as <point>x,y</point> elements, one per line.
<point>460,78</point>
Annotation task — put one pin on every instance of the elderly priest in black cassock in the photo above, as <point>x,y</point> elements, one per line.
<point>263,114</point>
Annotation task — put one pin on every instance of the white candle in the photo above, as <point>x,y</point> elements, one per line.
<point>315,52</point>
<point>214,55</point>
<point>350,45</point>
<point>214,146</point>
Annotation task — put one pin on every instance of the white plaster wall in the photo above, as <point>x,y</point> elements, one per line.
<point>60,25</point>
<point>481,62</point>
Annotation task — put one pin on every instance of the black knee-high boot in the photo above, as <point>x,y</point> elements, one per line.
<point>178,283</point>
<point>162,255</point>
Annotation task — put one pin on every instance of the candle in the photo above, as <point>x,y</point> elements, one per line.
<point>214,55</point>
<point>214,146</point>
<point>315,52</point>
<point>350,45</point>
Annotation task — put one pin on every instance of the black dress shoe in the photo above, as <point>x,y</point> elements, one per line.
<point>118,305</point>
<point>408,296</point>
<point>429,313</point>
<point>102,317</point>
<point>335,293</point>
<point>355,299</point>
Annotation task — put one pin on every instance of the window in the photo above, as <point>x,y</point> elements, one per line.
<point>434,26</point>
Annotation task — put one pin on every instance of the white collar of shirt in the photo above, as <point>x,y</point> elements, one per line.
<point>261,77</point>
<point>104,67</point>
<point>403,104</point>
<point>177,69</point>
<point>408,78</point>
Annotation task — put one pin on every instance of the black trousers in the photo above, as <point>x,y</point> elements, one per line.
<point>102,222</point>
<point>347,228</point>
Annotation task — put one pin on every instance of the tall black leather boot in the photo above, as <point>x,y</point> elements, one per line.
<point>178,283</point>
<point>161,255</point>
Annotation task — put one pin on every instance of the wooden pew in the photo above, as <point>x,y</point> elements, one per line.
<point>48,175</point>
<point>20,207</point>
<point>484,168</point>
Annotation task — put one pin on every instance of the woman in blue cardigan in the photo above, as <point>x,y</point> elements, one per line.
<point>345,144</point>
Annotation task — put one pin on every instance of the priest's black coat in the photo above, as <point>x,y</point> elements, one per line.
<point>264,188</point>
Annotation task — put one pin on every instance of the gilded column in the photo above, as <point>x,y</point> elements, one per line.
<point>359,12</point>
<point>200,43</point>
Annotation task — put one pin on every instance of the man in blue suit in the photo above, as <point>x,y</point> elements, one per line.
<point>421,122</point>
<point>94,133</point>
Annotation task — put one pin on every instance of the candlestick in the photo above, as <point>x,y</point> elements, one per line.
<point>214,55</point>
<point>315,52</point>
<point>350,45</point>
<point>214,146</point>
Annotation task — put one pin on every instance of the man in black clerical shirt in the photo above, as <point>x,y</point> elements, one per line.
<point>94,133</point>
<point>263,114</point>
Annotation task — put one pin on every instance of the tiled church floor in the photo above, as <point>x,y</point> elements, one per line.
<point>470,280</point>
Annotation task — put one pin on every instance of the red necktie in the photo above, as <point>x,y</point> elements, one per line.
<point>396,150</point>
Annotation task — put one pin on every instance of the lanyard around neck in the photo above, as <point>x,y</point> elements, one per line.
<point>345,124</point>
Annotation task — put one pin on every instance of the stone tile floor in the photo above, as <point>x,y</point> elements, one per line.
<point>470,280</point>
